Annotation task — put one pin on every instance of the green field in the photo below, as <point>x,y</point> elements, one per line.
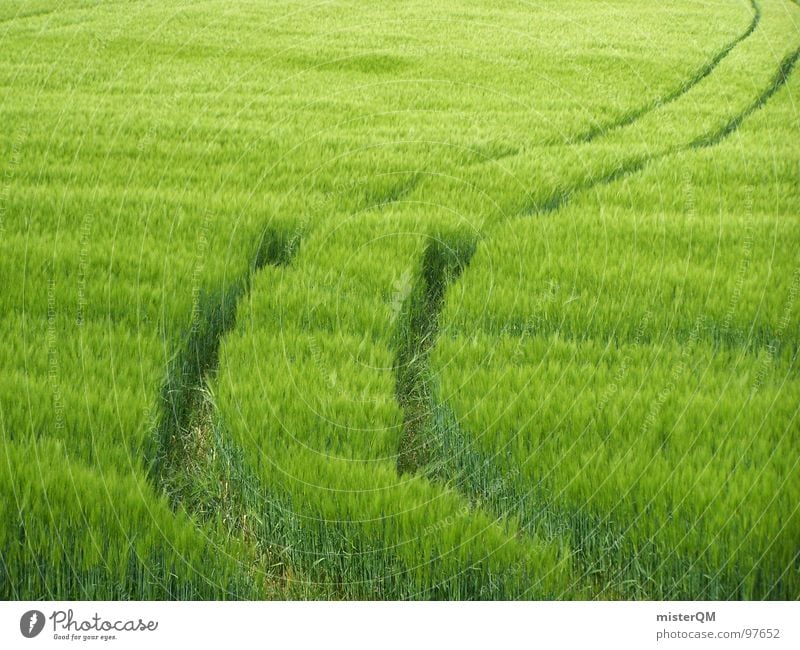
<point>383,300</point>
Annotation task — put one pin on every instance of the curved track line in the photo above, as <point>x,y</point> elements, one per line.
<point>629,118</point>
<point>629,167</point>
<point>34,14</point>
<point>199,358</point>
<point>421,419</point>
<point>778,81</point>
<point>183,397</point>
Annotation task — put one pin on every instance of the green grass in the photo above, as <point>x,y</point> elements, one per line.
<point>353,300</point>
<point>661,360</point>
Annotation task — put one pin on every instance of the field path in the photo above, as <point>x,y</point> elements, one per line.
<point>323,334</point>
<point>449,457</point>
<point>637,113</point>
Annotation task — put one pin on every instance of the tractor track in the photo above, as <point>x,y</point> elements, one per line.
<point>447,456</point>
<point>183,403</point>
<point>630,118</point>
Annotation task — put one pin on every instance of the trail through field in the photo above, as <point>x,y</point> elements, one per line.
<point>308,333</point>
<point>298,455</point>
<point>636,165</point>
<point>184,427</point>
<point>433,443</point>
<point>629,118</point>
<point>308,301</point>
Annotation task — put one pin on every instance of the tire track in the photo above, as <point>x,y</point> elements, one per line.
<point>193,461</point>
<point>629,118</point>
<point>185,424</point>
<point>778,81</point>
<point>433,442</point>
<point>186,414</point>
<point>633,166</point>
<point>187,421</point>
<point>444,259</point>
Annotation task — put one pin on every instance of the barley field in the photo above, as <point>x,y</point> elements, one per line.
<point>400,300</point>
